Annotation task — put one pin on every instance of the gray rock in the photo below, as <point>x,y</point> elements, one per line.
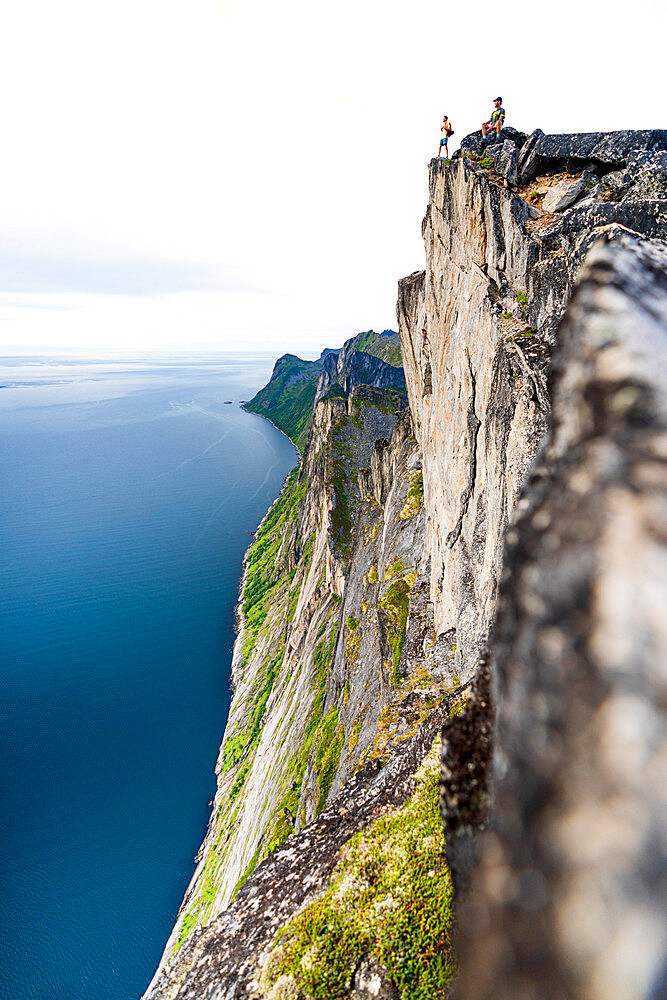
<point>617,181</point>
<point>476,143</point>
<point>504,155</point>
<point>568,896</point>
<point>372,982</point>
<point>526,153</point>
<point>648,175</point>
<point>563,195</point>
<point>604,150</point>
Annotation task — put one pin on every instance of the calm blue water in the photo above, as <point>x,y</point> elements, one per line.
<point>128,495</point>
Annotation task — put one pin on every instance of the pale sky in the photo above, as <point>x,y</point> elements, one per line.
<point>224,175</point>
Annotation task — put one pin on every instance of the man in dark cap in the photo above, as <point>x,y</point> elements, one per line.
<point>495,122</point>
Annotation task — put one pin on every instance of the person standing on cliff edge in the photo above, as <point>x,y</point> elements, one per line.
<point>446,130</point>
<point>495,122</point>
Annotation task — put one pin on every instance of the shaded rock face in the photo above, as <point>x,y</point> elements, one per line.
<point>350,367</point>
<point>568,896</point>
<point>601,151</point>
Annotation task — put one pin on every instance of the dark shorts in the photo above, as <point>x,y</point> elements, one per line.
<point>443,141</point>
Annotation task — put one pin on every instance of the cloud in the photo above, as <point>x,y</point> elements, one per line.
<point>67,269</point>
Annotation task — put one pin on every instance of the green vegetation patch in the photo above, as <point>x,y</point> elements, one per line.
<point>266,559</point>
<point>354,737</point>
<point>335,391</point>
<point>372,533</point>
<point>394,604</point>
<point>341,516</point>
<point>386,346</point>
<point>414,499</point>
<point>288,398</point>
<point>395,567</point>
<point>352,640</point>
<point>390,896</point>
<point>327,755</point>
<point>240,745</point>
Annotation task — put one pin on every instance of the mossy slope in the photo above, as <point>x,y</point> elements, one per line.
<point>390,899</point>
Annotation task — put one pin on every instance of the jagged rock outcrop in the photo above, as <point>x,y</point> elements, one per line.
<point>600,152</point>
<point>368,603</point>
<point>354,365</point>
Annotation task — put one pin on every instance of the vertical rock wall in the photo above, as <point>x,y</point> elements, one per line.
<point>477,396</point>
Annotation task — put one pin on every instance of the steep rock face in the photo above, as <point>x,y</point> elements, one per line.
<point>351,366</point>
<point>477,388</point>
<point>335,667</point>
<point>477,328</point>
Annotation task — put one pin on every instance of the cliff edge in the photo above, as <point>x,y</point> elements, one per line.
<point>484,562</point>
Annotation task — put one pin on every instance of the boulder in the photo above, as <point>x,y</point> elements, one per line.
<point>563,195</point>
<point>526,153</point>
<point>605,150</point>
<point>476,143</point>
<point>504,155</point>
<point>648,175</point>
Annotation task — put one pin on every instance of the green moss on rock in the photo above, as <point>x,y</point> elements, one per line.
<point>390,897</point>
<point>394,604</point>
<point>414,499</point>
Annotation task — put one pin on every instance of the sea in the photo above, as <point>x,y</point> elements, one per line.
<point>130,487</point>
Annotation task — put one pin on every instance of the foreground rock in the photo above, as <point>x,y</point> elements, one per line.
<point>568,898</point>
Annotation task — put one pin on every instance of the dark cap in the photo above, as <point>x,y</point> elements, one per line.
<point>498,99</point>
